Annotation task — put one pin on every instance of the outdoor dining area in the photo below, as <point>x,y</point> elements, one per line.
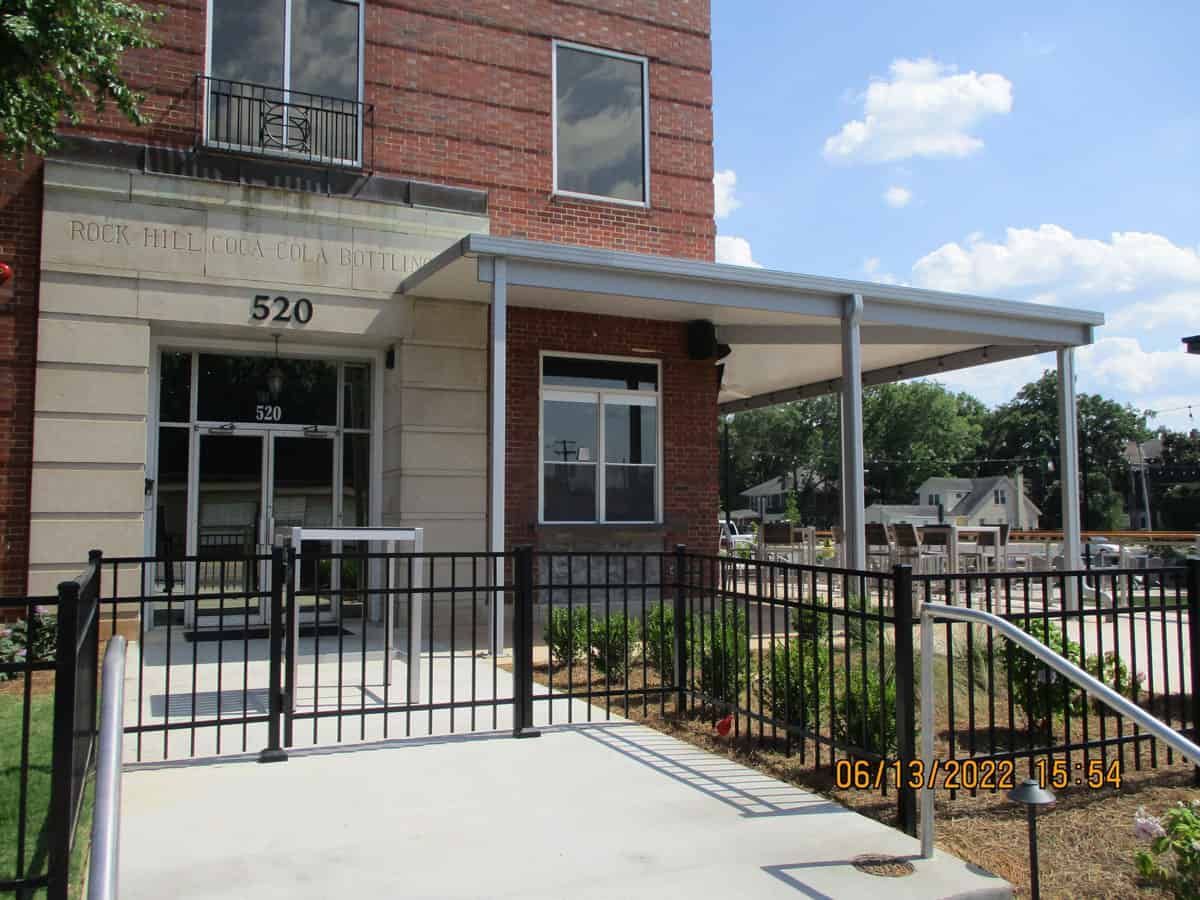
<point>930,549</point>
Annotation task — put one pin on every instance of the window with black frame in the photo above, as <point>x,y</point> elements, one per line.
<point>284,77</point>
<point>599,439</point>
<point>601,128</point>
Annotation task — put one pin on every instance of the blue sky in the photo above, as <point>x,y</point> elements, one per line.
<point>1027,151</point>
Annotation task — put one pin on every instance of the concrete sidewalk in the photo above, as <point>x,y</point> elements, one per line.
<point>602,810</point>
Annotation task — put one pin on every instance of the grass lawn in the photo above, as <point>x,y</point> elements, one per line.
<point>38,796</point>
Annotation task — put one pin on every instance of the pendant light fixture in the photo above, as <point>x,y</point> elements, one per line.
<point>275,374</point>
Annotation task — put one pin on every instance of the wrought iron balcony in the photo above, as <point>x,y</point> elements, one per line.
<point>270,121</point>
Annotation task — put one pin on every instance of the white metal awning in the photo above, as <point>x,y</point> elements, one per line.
<point>784,328</point>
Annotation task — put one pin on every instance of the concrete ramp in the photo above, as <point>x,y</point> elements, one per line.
<point>608,810</point>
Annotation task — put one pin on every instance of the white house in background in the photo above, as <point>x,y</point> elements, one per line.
<point>978,501</point>
<point>769,499</point>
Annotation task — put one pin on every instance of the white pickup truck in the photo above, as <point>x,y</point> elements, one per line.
<point>731,539</point>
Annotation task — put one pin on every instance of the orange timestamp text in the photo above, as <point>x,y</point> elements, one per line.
<point>973,774</point>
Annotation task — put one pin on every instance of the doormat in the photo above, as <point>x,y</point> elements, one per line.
<point>256,632</point>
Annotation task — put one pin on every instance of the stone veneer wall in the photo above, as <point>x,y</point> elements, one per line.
<point>126,255</point>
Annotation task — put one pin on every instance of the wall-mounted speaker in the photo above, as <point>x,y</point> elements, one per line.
<point>702,341</point>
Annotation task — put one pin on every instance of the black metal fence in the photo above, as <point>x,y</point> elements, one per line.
<point>813,661</point>
<point>1132,629</point>
<point>261,119</point>
<point>44,784</point>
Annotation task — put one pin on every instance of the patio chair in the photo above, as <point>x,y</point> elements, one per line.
<point>935,547</point>
<point>978,555</point>
<point>908,544</point>
<point>879,545</point>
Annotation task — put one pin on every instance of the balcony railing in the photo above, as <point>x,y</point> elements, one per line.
<point>264,120</point>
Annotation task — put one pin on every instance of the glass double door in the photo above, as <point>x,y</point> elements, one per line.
<point>252,487</point>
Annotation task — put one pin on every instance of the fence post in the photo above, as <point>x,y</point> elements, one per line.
<point>274,752</point>
<point>1193,602</point>
<point>906,695</point>
<point>679,640</point>
<point>523,643</point>
<point>59,822</point>
<point>291,619</point>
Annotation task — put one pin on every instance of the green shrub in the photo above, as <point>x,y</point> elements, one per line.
<point>1042,694</point>
<point>565,633</point>
<point>864,711</point>
<point>15,645</point>
<point>1113,672</point>
<point>658,640</point>
<point>795,679</point>
<point>720,648</point>
<point>1038,691</point>
<point>1177,833</point>
<point>612,645</point>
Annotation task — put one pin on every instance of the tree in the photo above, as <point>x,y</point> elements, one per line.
<point>911,432</point>
<point>1025,430</point>
<point>916,431</point>
<point>56,55</point>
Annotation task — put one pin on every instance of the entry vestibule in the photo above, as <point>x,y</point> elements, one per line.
<point>248,446</point>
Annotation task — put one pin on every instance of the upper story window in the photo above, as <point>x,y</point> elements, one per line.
<point>285,77</point>
<point>599,438</point>
<point>1000,496</point>
<point>601,125</point>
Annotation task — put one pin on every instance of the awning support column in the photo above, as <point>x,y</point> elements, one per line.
<point>1068,443</point>
<point>498,434</point>
<point>853,487</point>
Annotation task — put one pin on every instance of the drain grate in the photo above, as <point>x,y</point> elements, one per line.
<point>883,866</point>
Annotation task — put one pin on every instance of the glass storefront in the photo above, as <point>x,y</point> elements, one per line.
<point>250,447</point>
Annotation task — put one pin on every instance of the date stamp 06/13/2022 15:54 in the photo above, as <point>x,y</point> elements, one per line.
<point>972,774</point>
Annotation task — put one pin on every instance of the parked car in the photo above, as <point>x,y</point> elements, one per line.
<point>733,540</point>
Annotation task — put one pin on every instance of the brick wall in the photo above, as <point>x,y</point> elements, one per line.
<point>462,96</point>
<point>20,246</point>
<point>688,397</point>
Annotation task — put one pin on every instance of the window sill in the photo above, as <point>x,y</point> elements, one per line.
<point>596,198</point>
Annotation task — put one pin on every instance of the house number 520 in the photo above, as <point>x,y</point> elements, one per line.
<point>281,309</point>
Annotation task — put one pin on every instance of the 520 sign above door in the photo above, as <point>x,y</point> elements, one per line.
<point>281,309</point>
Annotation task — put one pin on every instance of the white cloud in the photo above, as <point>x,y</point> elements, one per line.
<point>735,251</point>
<point>897,197</point>
<point>1050,255</point>
<point>1148,286</point>
<point>926,109</point>
<point>724,184</point>
<point>1178,309</point>
<point>1120,363</point>
<point>870,269</point>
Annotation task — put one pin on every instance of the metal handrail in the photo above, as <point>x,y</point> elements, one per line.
<point>932,612</point>
<point>106,819</point>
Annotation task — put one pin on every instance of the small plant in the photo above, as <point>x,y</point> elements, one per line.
<point>720,649</point>
<point>658,640</point>
<point>1113,672</point>
<point>864,712</point>
<point>612,640</point>
<point>795,678</point>
<point>15,646</point>
<point>1039,691</point>
<point>1177,833</point>
<point>565,633</point>
<point>1042,694</point>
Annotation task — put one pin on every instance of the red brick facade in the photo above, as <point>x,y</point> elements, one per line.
<point>462,96</point>
<point>689,402</point>
<point>20,246</point>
